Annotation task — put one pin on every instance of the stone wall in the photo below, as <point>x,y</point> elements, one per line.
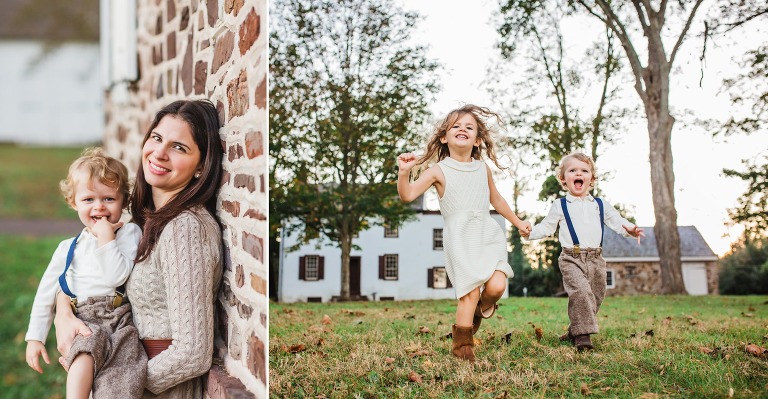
<point>215,49</point>
<point>644,278</point>
<point>635,278</point>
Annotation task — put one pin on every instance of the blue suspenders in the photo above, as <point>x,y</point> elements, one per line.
<point>119,291</point>
<point>574,237</point>
<point>63,277</point>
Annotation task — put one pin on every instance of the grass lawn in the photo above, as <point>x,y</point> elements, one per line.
<point>22,262</point>
<point>649,347</point>
<point>29,181</point>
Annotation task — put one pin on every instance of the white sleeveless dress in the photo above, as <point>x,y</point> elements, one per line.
<point>473,243</point>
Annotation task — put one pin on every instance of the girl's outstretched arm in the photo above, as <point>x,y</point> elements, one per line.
<point>410,191</point>
<point>501,206</point>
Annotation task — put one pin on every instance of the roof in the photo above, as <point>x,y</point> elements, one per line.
<point>52,21</point>
<point>692,244</point>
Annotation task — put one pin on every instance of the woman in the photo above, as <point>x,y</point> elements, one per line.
<point>178,264</point>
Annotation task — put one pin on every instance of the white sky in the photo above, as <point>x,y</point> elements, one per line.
<point>460,37</point>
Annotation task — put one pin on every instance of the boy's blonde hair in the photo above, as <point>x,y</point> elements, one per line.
<point>96,165</point>
<point>560,170</point>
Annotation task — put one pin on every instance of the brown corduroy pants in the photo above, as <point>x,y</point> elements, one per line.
<point>120,362</point>
<point>584,281</point>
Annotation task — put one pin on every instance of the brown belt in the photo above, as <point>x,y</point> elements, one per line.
<point>153,347</point>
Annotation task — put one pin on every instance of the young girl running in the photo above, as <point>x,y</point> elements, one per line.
<point>475,245</point>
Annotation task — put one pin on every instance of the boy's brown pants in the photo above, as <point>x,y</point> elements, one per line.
<point>584,279</point>
<point>120,363</point>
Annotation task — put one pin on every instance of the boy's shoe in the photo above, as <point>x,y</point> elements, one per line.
<point>463,343</point>
<point>481,314</point>
<point>568,337</point>
<point>583,343</point>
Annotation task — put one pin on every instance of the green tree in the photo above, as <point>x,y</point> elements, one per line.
<point>744,271</point>
<point>748,89</point>
<point>347,90</point>
<point>752,210</point>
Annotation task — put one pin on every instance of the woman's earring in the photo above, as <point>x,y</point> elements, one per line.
<point>197,175</point>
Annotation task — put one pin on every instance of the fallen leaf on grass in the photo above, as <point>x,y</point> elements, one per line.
<point>692,321</point>
<point>585,389</point>
<point>423,330</point>
<point>448,336</point>
<point>751,308</point>
<point>704,349</point>
<point>420,352</point>
<point>649,395</point>
<point>317,328</point>
<point>320,342</point>
<point>295,348</point>
<point>427,364</point>
<point>666,320</point>
<point>539,333</point>
<point>755,350</point>
<point>414,376</point>
<point>747,314</point>
<point>326,319</point>
<point>410,316</point>
<point>353,312</point>
<point>730,392</point>
<point>477,341</point>
<point>389,360</point>
<point>288,311</point>
<point>502,395</point>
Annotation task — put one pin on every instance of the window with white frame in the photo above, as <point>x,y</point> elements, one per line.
<point>610,278</point>
<point>438,278</point>
<point>390,230</point>
<point>390,267</point>
<point>312,268</point>
<point>437,239</point>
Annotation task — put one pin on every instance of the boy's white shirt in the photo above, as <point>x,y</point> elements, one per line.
<point>94,272</point>
<point>585,216</point>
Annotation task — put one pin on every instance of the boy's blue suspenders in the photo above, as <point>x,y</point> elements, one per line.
<point>574,238</point>
<point>119,292</point>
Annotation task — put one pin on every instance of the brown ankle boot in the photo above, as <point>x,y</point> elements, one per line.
<point>463,343</point>
<point>481,314</point>
<point>583,343</point>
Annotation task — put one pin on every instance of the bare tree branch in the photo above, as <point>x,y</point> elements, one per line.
<point>684,32</point>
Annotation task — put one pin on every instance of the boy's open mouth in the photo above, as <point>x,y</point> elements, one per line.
<point>578,183</point>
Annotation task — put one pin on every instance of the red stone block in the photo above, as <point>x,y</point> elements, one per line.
<point>249,31</point>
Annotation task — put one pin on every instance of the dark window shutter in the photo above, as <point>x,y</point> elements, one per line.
<point>302,268</point>
<point>449,282</point>
<point>321,268</point>
<point>431,277</point>
<point>381,267</point>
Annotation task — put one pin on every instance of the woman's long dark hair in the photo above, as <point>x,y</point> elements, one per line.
<point>203,120</point>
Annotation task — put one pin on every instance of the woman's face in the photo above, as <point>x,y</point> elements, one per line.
<point>170,158</point>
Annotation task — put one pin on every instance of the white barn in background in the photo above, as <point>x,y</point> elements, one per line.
<point>404,263</point>
<point>50,95</point>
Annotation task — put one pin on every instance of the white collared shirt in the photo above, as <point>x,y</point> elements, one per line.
<point>95,271</point>
<point>585,216</point>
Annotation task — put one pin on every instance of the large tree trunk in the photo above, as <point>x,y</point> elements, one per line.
<point>346,248</point>
<point>660,124</point>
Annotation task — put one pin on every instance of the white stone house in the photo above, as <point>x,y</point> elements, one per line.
<point>402,263</point>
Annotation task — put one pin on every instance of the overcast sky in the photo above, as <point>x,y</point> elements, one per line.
<point>460,36</point>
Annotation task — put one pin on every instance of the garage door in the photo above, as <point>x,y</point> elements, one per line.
<point>695,278</point>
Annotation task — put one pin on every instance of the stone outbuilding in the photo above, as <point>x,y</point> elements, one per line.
<point>635,269</point>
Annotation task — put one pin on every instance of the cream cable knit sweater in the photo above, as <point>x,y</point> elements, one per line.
<point>173,293</point>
